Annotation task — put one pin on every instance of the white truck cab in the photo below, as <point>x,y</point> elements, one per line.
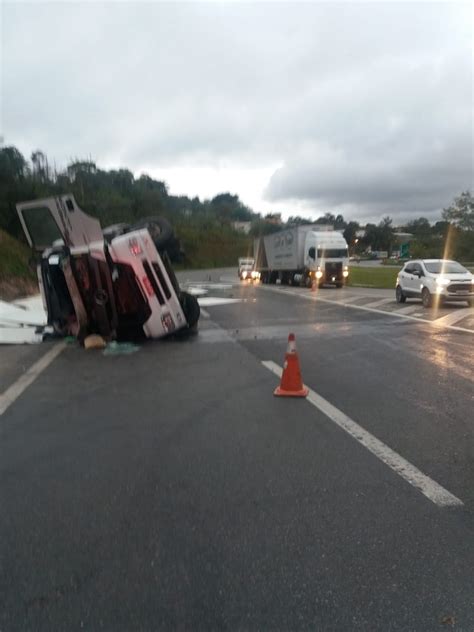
<point>327,257</point>
<point>246,268</point>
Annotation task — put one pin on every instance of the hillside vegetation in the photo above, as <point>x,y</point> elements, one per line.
<point>17,278</point>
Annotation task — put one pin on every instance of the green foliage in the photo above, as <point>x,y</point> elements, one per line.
<point>350,232</point>
<point>461,211</point>
<point>380,237</point>
<point>14,258</point>
<point>205,228</point>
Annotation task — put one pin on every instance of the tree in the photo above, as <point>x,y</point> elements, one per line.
<point>297,220</point>
<point>380,237</point>
<point>461,211</point>
<point>350,232</point>
<point>418,227</point>
<point>13,166</point>
<point>327,218</point>
<point>40,166</point>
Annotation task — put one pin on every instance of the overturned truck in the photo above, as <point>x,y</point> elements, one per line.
<point>117,282</point>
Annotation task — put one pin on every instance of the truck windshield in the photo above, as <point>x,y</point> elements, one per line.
<point>41,226</point>
<point>332,253</point>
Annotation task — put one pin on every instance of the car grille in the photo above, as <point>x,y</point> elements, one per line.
<point>461,287</point>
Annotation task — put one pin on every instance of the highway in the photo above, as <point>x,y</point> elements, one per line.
<point>169,489</point>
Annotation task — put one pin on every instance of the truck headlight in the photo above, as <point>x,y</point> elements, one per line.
<point>345,273</point>
<point>244,274</point>
<point>319,274</point>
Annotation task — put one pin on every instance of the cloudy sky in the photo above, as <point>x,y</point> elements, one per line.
<point>300,108</point>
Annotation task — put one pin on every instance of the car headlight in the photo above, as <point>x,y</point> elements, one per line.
<point>319,274</point>
<point>442,281</point>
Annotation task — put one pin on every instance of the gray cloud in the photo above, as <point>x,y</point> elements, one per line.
<point>367,106</point>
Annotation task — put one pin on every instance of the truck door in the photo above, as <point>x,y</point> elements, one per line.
<point>47,220</point>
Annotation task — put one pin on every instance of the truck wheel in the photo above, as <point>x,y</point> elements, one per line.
<point>159,228</point>
<point>191,309</point>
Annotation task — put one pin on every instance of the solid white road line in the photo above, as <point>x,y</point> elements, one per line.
<point>15,390</point>
<point>427,486</point>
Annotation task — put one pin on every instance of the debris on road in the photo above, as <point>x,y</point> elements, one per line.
<point>120,348</point>
<point>22,322</point>
<point>94,341</point>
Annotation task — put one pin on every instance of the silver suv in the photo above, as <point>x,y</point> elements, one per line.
<point>435,280</point>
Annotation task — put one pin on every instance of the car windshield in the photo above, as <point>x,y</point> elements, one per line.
<point>445,267</point>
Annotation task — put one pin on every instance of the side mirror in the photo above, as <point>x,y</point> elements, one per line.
<point>312,253</point>
<point>416,273</point>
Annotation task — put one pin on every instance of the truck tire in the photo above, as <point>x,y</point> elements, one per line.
<point>191,309</point>
<point>159,228</point>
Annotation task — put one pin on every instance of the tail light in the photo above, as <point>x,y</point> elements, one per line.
<point>134,247</point>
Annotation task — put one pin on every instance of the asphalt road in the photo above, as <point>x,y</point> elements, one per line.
<point>170,489</point>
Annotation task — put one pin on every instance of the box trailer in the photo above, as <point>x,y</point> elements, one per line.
<point>302,255</point>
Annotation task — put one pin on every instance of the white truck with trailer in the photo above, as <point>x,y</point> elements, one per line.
<point>303,255</point>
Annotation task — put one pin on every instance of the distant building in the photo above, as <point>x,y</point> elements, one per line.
<point>273,218</point>
<point>242,227</point>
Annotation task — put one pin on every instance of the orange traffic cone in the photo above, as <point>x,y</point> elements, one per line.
<point>291,384</point>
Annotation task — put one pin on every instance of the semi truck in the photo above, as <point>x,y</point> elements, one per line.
<point>303,255</point>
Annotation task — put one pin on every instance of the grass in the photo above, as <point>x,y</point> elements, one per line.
<point>379,277</point>
<point>14,257</point>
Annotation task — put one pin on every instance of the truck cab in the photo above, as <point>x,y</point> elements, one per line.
<point>326,257</point>
<point>246,268</point>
